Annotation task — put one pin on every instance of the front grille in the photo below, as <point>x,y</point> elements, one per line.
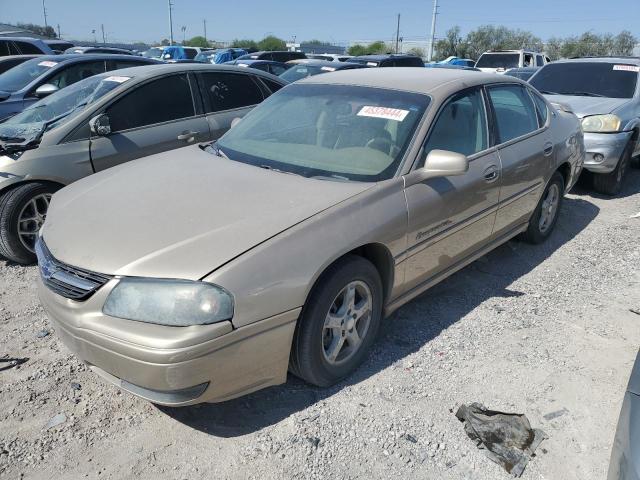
<point>70,282</point>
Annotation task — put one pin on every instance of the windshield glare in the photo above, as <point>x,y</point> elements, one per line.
<point>65,101</point>
<point>335,131</point>
<point>600,79</point>
<point>22,75</point>
<point>301,71</point>
<point>153,53</point>
<point>498,60</point>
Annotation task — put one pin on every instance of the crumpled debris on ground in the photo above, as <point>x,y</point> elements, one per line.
<point>7,363</point>
<point>506,438</point>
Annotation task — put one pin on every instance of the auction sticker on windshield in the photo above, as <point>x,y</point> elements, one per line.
<point>627,68</point>
<point>47,64</point>
<point>383,112</point>
<point>328,69</point>
<point>116,78</point>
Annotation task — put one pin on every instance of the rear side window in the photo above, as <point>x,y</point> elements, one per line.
<point>542,109</point>
<point>408,62</point>
<point>161,100</point>
<point>514,112</point>
<point>277,69</point>
<point>464,113</point>
<point>271,85</point>
<point>27,48</point>
<point>190,53</point>
<point>76,72</point>
<point>117,64</point>
<point>540,60</point>
<point>226,91</point>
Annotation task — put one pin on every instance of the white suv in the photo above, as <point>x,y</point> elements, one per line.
<point>502,60</point>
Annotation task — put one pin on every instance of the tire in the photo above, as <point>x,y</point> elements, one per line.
<point>539,230</point>
<point>16,204</point>
<point>611,183</point>
<point>314,344</point>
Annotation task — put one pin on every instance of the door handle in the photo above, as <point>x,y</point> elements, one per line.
<point>548,149</point>
<point>188,136</point>
<point>491,174</point>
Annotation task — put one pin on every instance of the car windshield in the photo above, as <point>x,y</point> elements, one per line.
<point>22,75</point>
<point>498,60</point>
<point>205,56</point>
<point>339,132</point>
<point>65,104</point>
<point>596,79</point>
<point>301,71</point>
<point>522,75</point>
<point>152,53</point>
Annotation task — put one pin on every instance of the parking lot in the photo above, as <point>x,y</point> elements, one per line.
<point>545,330</point>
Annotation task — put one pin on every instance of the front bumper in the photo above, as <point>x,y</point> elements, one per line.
<point>173,366</point>
<point>604,150</point>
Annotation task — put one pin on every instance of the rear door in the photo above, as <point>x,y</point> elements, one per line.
<point>526,153</point>
<point>227,96</point>
<point>154,117</point>
<point>450,218</point>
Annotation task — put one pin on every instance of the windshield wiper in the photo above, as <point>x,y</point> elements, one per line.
<point>268,167</point>
<point>585,94</point>
<point>547,92</point>
<point>214,149</point>
<point>338,178</point>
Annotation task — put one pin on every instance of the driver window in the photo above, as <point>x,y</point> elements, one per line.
<point>528,60</point>
<point>461,126</point>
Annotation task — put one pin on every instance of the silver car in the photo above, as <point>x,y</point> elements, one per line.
<point>625,454</point>
<point>605,94</point>
<point>205,274</point>
<point>106,120</point>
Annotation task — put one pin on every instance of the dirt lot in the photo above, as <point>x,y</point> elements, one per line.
<point>543,330</point>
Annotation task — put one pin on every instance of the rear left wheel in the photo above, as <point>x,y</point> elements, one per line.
<point>545,215</point>
<point>22,214</point>
<point>339,322</point>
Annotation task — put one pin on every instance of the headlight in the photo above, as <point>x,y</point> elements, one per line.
<point>601,123</point>
<point>176,303</point>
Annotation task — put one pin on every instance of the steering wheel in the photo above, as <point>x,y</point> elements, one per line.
<point>382,144</point>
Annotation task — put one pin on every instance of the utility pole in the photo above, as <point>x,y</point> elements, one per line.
<point>398,34</point>
<point>204,23</point>
<point>184,30</point>
<point>44,11</point>
<point>95,40</point>
<point>104,38</point>
<point>59,31</point>
<point>433,30</point>
<point>170,24</point>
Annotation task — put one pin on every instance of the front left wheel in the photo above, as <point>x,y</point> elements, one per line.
<point>339,322</point>
<point>22,213</point>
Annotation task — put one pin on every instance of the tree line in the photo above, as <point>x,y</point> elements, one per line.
<point>489,37</point>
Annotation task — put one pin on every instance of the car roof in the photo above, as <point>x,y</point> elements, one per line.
<point>148,71</point>
<point>628,60</point>
<point>23,39</point>
<point>75,57</point>
<point>377,58</point>
<point>411,79</point>
<point>6,58</point>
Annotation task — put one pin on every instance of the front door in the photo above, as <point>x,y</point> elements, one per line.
<point>450,218</point>
<point>155,117</point>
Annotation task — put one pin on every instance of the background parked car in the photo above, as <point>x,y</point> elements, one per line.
<point>605,94</point>
<point>524,73</point>
<point>307,68</point>
<point>153,52</point>
<point>8,62</point>
<point>24,84</point>
<point>115,51</point>
<point>274,68</point>
<point>178,52</point>
<point>109,119</point>
<point>335,202</point>
<point>58,46</point>
<point>625,453</point>
<point>220,55</point>
<point>23,46</point>
<point>277,56</point>
<point>332,57</point>
<point>463,62</point>
<point>388,60</point>
<point>499,61</point>
<point>451,66</point>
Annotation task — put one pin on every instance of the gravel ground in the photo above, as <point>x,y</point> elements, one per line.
<point>543,330</point>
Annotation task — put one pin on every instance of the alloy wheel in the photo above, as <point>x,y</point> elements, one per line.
<point>31,219</point>
<point>347,323</point>
<point>549,208</point>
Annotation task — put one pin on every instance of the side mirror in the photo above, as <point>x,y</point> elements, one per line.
<point>45,90</point>
<point>235,121</point>
<point>100,125</point>
<point>439,163</point>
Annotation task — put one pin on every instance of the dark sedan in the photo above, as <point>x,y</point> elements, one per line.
<point>36,78</point>
<point>111,50</point>
<point>308,68</point>
<point>388,60</point>
<point>275,68</point>
<point>7,63</point>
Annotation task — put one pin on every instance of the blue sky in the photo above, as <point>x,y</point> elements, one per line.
<point>338,21</point>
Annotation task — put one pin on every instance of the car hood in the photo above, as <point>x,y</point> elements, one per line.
<point>180,214</point>
<point>585,106</point>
